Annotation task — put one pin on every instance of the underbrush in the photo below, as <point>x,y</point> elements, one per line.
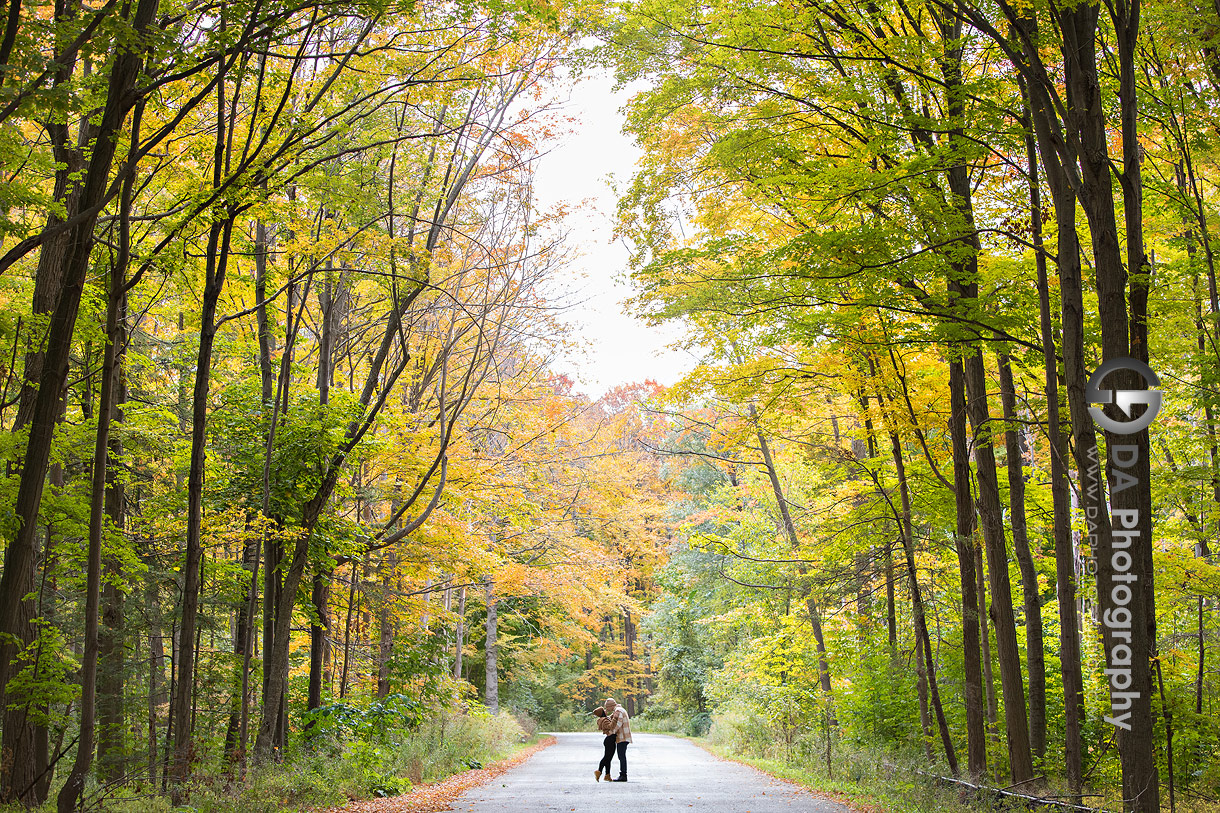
<point>858,775</point>
<point>331,768</point>
<point>673,723</point>
<point>860,778</point>
<point>870,778</point>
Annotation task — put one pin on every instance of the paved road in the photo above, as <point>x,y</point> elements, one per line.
<point>666,774</point>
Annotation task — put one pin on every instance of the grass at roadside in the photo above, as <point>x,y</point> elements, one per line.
<point>438,795</point>
<point>863,787</point>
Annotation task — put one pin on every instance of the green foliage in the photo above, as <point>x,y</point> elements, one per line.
<point>306,436</point>
<point>41,681</point>
<point>390,717</point>
<point>365,763</point>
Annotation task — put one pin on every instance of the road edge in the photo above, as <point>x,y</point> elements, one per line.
<point>437,796</point>
<point>792,775</point>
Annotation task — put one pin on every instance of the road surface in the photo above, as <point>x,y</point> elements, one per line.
<point>665,774</point>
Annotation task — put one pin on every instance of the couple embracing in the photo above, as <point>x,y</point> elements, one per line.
<point>613,721</point>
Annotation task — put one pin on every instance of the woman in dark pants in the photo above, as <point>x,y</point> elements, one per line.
<point>604,724</point>
<point>621,727</point>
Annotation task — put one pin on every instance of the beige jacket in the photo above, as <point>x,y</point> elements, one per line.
<point>621,725</point>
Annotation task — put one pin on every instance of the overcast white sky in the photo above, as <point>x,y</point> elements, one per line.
<point>617,348</point>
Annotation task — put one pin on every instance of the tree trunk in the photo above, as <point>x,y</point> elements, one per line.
<point>460,630</point>
<point>491,690</point>
<point>243,640</point>
<point>976,742</point>
<point>1068,259</point>
<point>963,290</point>
<point>921,625</point>
<point>993,705</point>
<point>347,632</point>
<point>921,689</point>
<point>319,635</point>
<point>18,750</point>
<point>156,667</point>
<point>385,625</point>
<point>111,743</point>
<point>1131,502</point>
<point>266,341</point>
<point>1029,575</point>
<point>217,259</point>
<point>887,552</point>
<point>272,727</point>
<point>629,645</point>
<point>218,252</point>
<point>319,631</point>
<point>70,795</point>
<point>1011,681</point>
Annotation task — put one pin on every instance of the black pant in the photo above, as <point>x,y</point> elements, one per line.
<point>622,760</point>
<point>604,765</point>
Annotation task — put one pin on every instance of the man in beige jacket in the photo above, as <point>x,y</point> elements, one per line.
<point>621,729</point>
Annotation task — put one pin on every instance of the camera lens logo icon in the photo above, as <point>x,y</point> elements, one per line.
<point>1124,399</point>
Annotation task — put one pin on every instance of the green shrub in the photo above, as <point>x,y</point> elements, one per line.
<point>741,731</point>
<point>529,725</point>
<point>448,743</point>
<point>670,721</point>
<point>570,721</point>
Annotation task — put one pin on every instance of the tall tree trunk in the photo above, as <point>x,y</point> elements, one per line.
<point>459,632</point>
<point>272,727</point>
<point>243,641</point>
<point>217,259</point>
<point>993,705</point>
<point>218,253</point>
<point>1029,575</point>
<point>111,742</point>
<point>491,689</point>
<point>47,591</point>
<point>18,750</point>
<point>70,796</point>
<point>319,635</point>
<point>921,690</point>
<point>1139,759</point>
<point>921,625</point>
<point>629,645</point>
<point>385,626</point>
<point>1130,502</point>
<point>156,666</point>
<point>1011,681</point>
<point>347,632</point>
<point>319,630</point>
<point>963,290</point>
<point>972,622</point>
<point>266,341</point>
<point>887,552</point>
<point>1064,205</point>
